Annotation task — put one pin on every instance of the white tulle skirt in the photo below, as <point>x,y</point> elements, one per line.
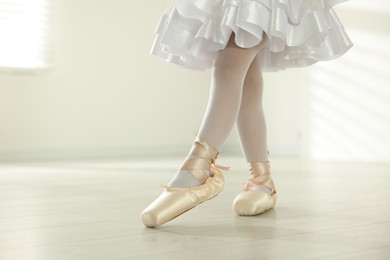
<point>298,33</point>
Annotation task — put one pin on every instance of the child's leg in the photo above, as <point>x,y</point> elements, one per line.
<point>226,92</point>
<point>259,192</point>
<point>251,123</point>
<point>224,103</point>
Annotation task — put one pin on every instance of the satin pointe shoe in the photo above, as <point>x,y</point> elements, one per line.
<point>175,201</point>
<point>253,200</point>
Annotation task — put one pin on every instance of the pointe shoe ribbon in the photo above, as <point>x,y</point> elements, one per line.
<point>260,176</point>
<point>201,160</point>
<point>216,166</point>
<point>213,168</point>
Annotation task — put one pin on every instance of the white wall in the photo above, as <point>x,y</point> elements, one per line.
<point>107,96</point>
<point>348,100</point>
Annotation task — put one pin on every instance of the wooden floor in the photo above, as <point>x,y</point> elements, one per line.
<point>91,210</point>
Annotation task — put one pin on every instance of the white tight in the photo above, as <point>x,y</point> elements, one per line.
<point>251,124</point>
<point>235,97</point>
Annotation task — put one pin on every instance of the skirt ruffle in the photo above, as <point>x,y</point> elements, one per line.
<point>298,33</point>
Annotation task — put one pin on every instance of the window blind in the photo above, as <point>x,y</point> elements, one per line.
<point>24,28</point>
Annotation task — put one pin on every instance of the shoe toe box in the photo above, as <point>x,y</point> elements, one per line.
<point>150,219</point>
<point>252,203</point>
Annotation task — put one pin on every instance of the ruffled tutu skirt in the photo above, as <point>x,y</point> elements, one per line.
<point>298,33</point>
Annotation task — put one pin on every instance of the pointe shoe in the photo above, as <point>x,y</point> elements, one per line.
<point>254,201</point>
<point>175,201</point>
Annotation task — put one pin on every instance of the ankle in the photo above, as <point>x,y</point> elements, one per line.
<point>196,168</point>
<point>260,178</point>
<point>199,160</point>
<point>183,179</point>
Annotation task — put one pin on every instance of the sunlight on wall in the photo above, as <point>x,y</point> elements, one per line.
<point>23,33</point>
<point>350,102</point>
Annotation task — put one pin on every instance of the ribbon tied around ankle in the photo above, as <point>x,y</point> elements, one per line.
<point>260,173</point>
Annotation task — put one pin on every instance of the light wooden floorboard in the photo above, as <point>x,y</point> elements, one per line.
<point>91,210</point>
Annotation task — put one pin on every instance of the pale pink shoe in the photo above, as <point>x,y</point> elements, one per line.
<point>175,201</point>
<point>254,201</point>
